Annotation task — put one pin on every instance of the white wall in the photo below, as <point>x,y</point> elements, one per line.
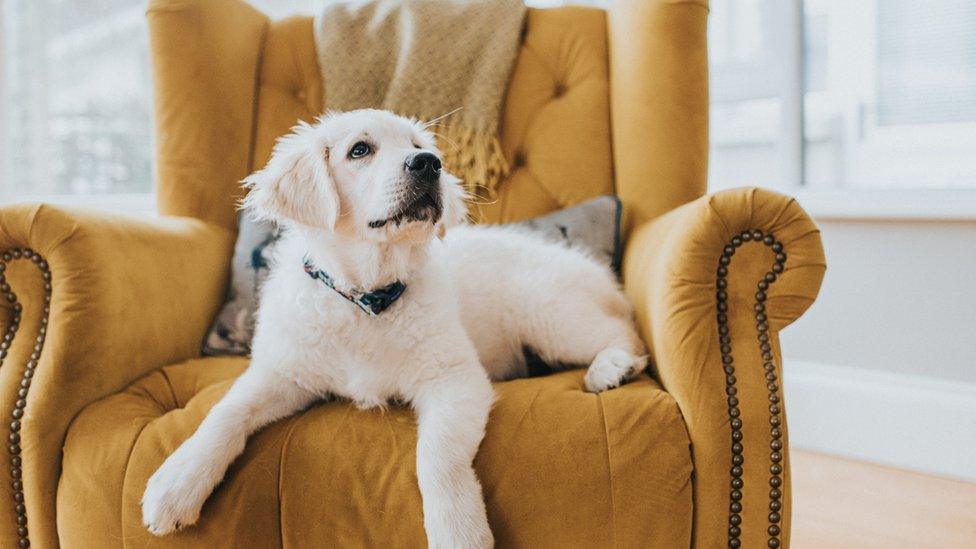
<point>897,297</point>
<point>883,366</point>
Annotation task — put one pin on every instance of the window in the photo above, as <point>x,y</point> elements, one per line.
<point>818,94</point>
<point>831,94</point>
<point>75,103</point>
<point>74,98</point>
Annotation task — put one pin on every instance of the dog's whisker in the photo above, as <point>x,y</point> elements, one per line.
<point>436,119</point>
<point>473,197</point>
<point>447,140</point>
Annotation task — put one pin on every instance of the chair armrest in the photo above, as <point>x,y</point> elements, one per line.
<point>694,278</point>
<point>88,303</point>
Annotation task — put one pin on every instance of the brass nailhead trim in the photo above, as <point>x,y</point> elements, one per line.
<point>775,410</point>
<point>16,461</point>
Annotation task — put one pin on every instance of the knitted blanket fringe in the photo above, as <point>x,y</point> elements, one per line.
<point>475,157</point>
<point>447,61</point>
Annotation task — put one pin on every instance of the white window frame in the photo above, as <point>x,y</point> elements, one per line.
<point>143,203</point>
<point>136,203</point>
<point>835,201</point>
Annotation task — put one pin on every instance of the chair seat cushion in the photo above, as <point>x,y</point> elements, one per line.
<point>559,468</point>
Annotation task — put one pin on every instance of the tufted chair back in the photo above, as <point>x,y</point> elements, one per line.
<point>599,102</point>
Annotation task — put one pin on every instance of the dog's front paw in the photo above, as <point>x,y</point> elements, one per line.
<point>172,499</point>
<point>611,368</point>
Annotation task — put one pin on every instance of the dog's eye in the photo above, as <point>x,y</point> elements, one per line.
<point>360,150</point>
<point>416,146</point>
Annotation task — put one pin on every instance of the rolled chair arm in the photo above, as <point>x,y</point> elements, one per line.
<point>713,282</point>
<point>89,303</point>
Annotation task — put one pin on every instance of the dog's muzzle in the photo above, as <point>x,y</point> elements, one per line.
<point>422,192</point>
<point>422,199</point>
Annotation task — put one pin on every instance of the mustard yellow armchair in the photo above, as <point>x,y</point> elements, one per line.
<point>103,315</point>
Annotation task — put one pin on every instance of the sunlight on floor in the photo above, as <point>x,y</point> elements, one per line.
<point>839,503</point>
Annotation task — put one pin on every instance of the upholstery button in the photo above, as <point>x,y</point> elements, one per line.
<point>519,160</point>
<point>559,90</point>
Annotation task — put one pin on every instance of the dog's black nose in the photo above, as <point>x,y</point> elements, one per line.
<point>424,166</point>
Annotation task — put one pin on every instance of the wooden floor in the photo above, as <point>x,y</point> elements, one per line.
<point>839,503</point>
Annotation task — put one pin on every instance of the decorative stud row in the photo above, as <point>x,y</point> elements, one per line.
<point>775,418</point>
<point>16,461</point>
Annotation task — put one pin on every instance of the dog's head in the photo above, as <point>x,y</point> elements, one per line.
<point>363,174</point>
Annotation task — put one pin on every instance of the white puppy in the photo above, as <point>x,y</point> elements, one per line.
<point>361,197</point>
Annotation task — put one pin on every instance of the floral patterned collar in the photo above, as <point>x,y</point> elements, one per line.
<point>372,303</point>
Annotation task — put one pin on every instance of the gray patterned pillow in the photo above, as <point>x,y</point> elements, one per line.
<point>232,329</point>
<point>593,226</point>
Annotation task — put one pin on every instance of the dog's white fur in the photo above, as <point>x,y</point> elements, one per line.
<point>473,300</point>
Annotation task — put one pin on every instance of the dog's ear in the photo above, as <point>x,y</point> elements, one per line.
<point>455,204</point>
<point>296,184</point>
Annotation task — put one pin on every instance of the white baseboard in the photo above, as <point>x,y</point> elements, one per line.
<point>910,422</point>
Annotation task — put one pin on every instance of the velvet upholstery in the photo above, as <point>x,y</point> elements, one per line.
<point>599,102</point>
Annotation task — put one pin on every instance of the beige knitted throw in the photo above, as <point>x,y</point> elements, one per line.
<point>426,59</point>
